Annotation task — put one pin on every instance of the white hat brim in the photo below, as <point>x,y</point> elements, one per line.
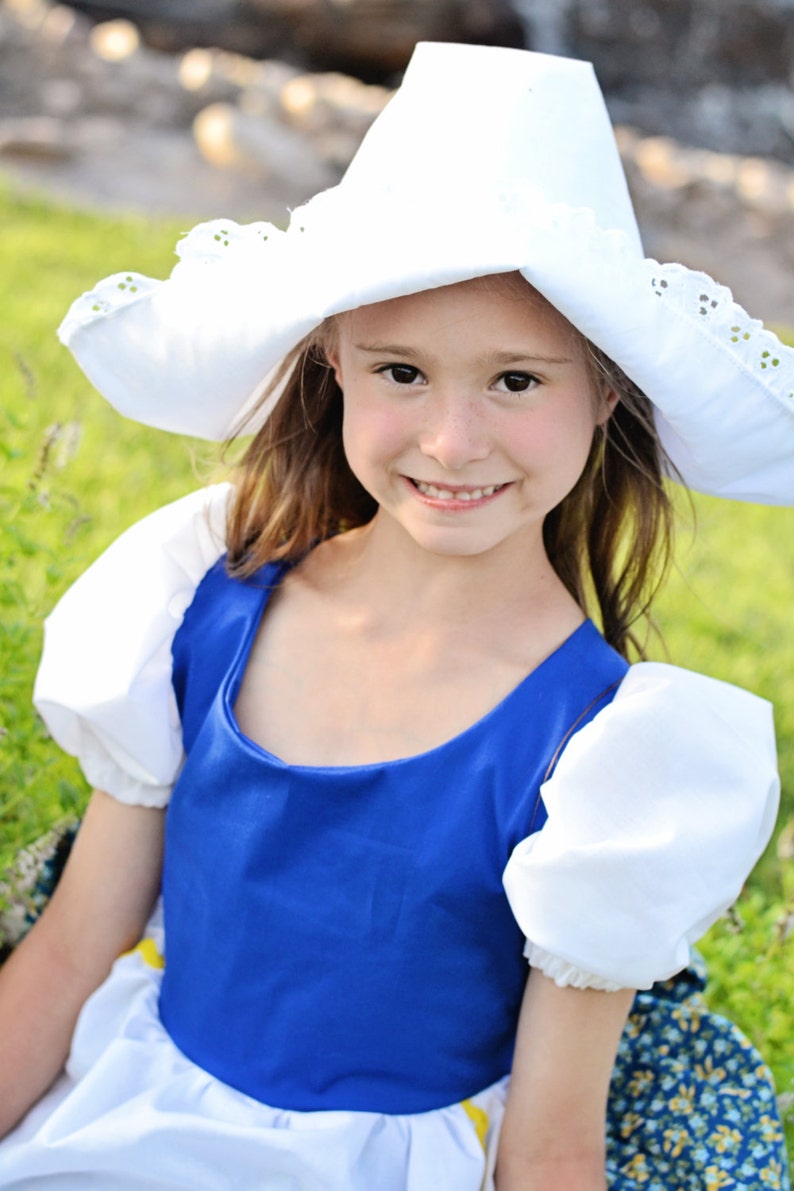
<point>191,354</point>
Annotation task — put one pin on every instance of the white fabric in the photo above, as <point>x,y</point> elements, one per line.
<point>657,811</point>
<point>505,115</point>
<point>564,974</point>
<point>519,170</point>
<point>134,1114</point>
<point>104,683</point>
<point>189,354</point>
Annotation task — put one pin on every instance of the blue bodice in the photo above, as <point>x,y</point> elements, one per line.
<point>338,937</point>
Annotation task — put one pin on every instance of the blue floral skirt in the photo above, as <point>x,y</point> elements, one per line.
<point>692,1104</point>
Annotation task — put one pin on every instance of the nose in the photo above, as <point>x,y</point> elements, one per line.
<point>453,433</point>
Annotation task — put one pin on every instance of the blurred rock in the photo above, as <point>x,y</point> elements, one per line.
<point>115,40</point>
<point>369,38</point>
<point>175,25</point>
<point>334,110</point>
<point>92,112</point>
<point>683,44</point>
<point>39,137</point>
<point>716,73</point>
<point>261,149</point>
<point>374,39</point>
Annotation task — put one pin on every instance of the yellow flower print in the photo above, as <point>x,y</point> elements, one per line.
<point>693,1106</point>
<point>770,1129</point>
<point>675,1140</point>
<point>688,1019</point>
<point>637,1169</point>
<point>630,1123</point>
<point>724,1138</point>
<point>716,1178</point>
<point>772,1174</point>
<point>640,1083</point>
<point>706,1070</point>
<point>682,1103</point>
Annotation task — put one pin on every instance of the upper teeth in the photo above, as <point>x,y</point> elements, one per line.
<point>461,494</point>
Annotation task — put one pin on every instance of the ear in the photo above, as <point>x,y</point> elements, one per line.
<point>332,357</point>
<point>607,402</point>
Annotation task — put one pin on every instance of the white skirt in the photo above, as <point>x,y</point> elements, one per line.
<point>132,1113</point>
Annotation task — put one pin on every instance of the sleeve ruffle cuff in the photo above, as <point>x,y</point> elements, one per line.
<point>563,974</point>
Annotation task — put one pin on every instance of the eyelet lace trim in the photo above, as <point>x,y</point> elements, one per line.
<point>220,239</point>
<point>122,289</point>
<point>206,244</point>
<point>699,298</point>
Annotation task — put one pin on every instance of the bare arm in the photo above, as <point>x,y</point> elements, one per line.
<point>98,910</point>
<point>553,1135</point>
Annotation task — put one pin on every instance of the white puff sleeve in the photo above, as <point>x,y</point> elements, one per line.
<point>657,811</point>
<point>104,683</point>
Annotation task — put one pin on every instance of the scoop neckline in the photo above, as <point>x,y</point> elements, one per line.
<point>233,680</point>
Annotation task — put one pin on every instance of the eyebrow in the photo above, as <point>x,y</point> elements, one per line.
<point>519,357</point>
<point>385,349</point>
<point>500,357</point>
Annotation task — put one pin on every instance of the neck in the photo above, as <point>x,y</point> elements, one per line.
<point>494,591</point>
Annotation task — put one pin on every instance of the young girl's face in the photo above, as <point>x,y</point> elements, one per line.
<point>469,410</point>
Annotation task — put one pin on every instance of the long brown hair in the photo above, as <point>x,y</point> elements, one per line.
<point>609,540</point>
<point>293,484</point>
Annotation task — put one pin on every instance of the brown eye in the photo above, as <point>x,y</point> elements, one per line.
<point>401,374</point>
<point>517,382</point>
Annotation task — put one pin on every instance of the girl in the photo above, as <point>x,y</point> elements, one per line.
<point>366,669</point>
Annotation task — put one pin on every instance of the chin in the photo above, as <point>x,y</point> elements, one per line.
<point>454,544</point>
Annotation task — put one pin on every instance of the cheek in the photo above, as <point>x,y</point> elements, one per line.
<point>371,433</point>
<point>553,446</point>
<point>558,434</point>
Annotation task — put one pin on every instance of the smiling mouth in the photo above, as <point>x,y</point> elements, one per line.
<point>437,493</point>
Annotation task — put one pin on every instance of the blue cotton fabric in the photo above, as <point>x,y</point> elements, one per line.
<point>339,938</point>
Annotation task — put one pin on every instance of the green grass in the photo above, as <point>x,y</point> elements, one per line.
<point>725,611</point>
<point>73,474</point>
